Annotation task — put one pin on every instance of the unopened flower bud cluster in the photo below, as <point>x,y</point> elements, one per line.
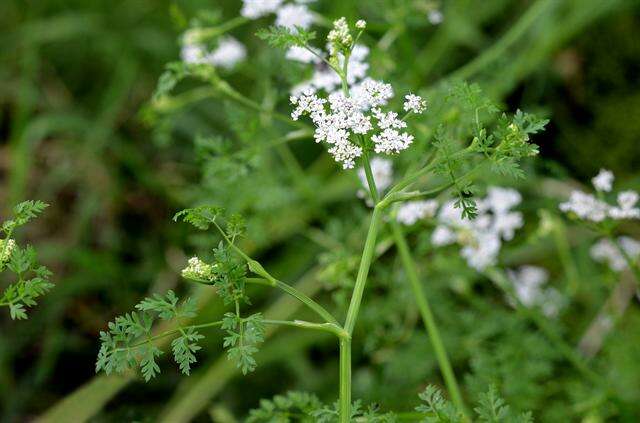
<point>198,269</point>
<point>7,246</point>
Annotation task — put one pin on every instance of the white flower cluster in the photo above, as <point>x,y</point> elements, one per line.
<point>528,284</point>
<point>412,211</point>
<point>604,251</point>
<point>6,249</point>
<point>414,103</point>
<point>226,55</point>
<point>347,116</point>
<point>482,237</point>
<point>382,171</point>
<point>589,207</point>
<point>197,269</point>
<point>290,15</point>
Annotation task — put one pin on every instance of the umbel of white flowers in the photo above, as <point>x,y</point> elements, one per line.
<point>589,207</point>
<point>340,119</point>
<point>480,238</point>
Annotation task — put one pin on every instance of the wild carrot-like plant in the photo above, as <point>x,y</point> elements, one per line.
<point>31,280</point>
<point>359,122</point>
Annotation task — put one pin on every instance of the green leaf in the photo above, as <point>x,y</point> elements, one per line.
<point>280,36</point>
<point>201,217</point>
<point>184,349</point>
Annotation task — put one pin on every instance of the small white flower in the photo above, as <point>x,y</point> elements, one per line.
<point>254,9</point>
<point>442,236</point>
<point>528,288</point>
<point>604,251</point>
<point>361,24</point>
<point>193,54</point>
<point>626,206</point>
<point>294,15</point>
<point>527,283</point>
<point>501,200</point>
<point>412,211</point>
<point>228,53</point>
<point>435,17</point>
<point>603,181</point>
<point>391,141</point>
<point>414,103</point>
<point>586,206</point>
<point>483,252</point>
<point>388,119</point>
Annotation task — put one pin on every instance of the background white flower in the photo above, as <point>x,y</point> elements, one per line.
<point>603,181</point>
<point>228,53</point>
<point>412,211</point>
<point>604,251</point>
<point>588,207</point>
<point>480,238</point>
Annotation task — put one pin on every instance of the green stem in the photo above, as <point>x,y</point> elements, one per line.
<point>173,331</point>
<point>324,327</point>
<point>370,179</point>
<point>363,271</point>
<point>226,89</point>
<point>259,270</point>
<point>427,317</point>
<point>344,405</point>
<point>205,34</point>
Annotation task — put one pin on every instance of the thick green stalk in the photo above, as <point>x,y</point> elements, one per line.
<point>345,380</point>
<point>427,317</point>
<point>352,315</point>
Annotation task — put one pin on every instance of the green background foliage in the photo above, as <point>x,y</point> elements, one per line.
<point>78,130</point>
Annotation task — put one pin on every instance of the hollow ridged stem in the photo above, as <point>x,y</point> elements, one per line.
<point>428,319</point>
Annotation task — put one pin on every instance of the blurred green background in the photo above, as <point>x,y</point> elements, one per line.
<point>76,131</point>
